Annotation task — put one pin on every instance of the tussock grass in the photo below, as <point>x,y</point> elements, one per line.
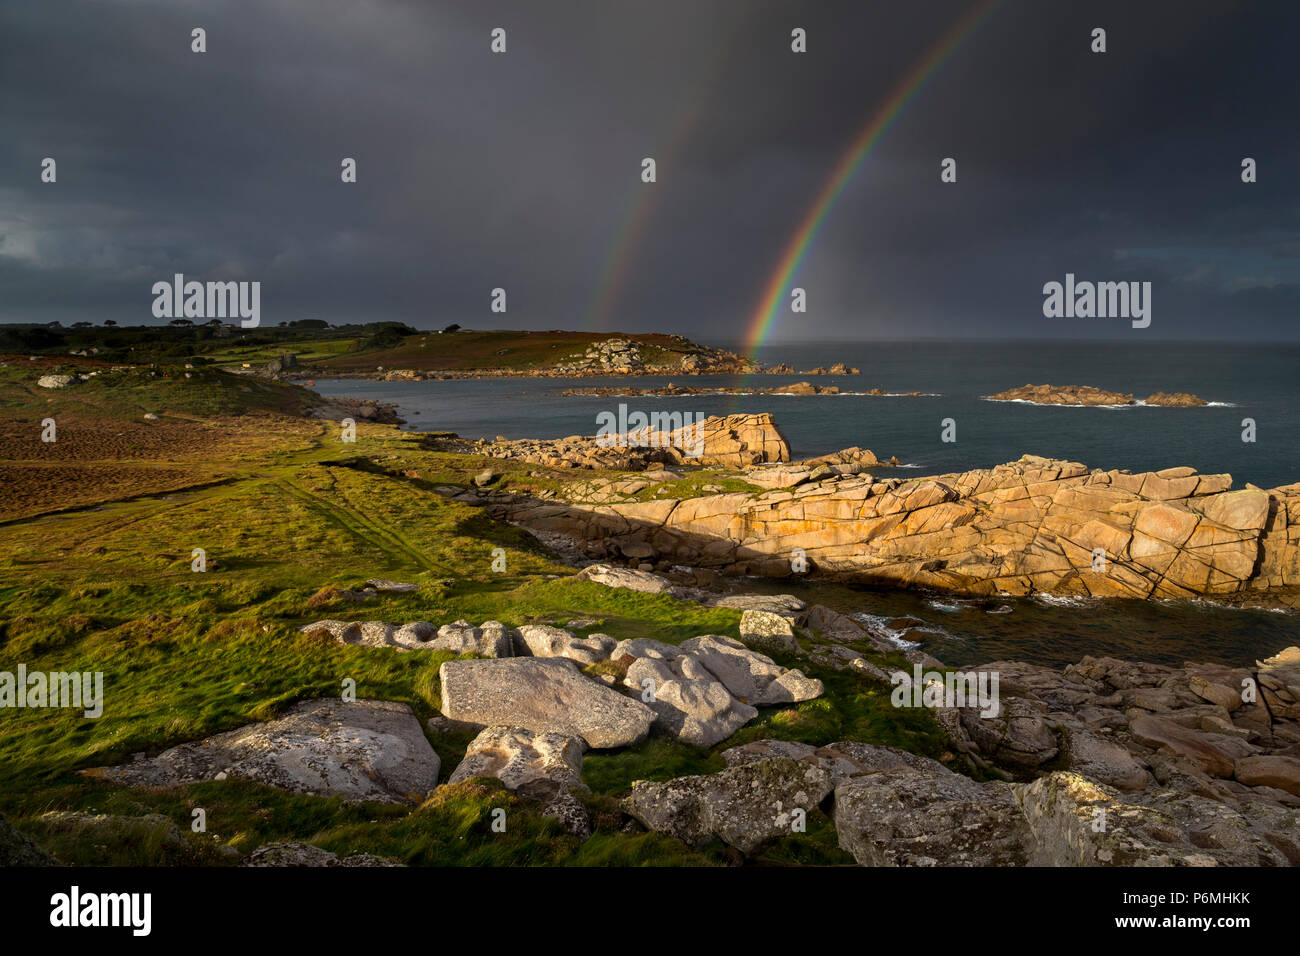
<point>185,655</point>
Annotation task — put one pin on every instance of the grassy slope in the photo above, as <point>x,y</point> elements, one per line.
<point>342,349</point>
<point>469,349</point>
<point>185,655</point>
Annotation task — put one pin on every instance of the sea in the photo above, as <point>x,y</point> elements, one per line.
<point>1250,429</point>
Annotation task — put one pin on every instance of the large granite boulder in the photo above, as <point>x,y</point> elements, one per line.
<point>750,676</point>
<point>644,647</point>
<point>490,639</point>
<point>1203,750</point>
<point>930,817</point>
<point>1279,771</point>
<point>365,750</point>
<point>545,767</point>
<point>744,806</point>
<point>1018,735</point>
<point>925,815</point>
<point>544,695</point>
<point>700,686</point>
<point>768,629</point>
<point>1105,761</point>
<point>1279,679</point>
<point>692,705</point>
<point>519,758</point>
<point>1073,821</point>
<point>541,640</point>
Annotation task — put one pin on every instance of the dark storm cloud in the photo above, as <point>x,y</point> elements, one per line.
<point>521,170</point>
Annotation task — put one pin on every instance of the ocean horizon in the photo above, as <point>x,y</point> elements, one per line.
<point>1254,381</point>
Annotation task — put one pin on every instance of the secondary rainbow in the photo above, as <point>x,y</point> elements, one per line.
<point>638,210</point>
<point>632,224</point>
<point>764,317</point>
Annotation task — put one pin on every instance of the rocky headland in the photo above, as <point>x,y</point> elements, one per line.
<point>732,441</point>
<point>795,388</point>
<point>674,355</point>
<point>1035,525</point>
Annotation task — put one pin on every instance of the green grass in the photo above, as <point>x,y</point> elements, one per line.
<point>499,349</point>
<point>308,351</point>
<point>185,655</point>
<point>131,391</point>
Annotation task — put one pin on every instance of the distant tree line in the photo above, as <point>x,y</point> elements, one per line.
<point>183,339</point>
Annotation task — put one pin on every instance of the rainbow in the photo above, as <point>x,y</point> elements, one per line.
<point>774,292</point>
<point>635,215</point>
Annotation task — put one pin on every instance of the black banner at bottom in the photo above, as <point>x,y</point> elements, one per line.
<point>332,905</point>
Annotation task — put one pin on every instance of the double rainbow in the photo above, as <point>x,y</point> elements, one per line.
<point>769,306</point>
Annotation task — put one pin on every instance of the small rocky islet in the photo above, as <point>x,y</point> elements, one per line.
<point>1088,395</point>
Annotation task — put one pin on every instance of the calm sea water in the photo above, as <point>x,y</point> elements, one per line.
<point>1260,382</point>
<point>1257,382</point>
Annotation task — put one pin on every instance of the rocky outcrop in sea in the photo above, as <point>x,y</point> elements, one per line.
<point>1087,395</point>
<point>734,441</point>
<point>1035,525</point>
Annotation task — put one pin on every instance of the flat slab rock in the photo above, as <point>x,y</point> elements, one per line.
<point>544,695</point>
<point>626,578</point>
<point>304,854</point>
<point>396,587</point>
<point>490,639</point>
<point>744,806</point>
<point>926,815</point>
<point>1278,771</point>
<point>932,817</point>
<point>366,750</point>
<point>786,605</point>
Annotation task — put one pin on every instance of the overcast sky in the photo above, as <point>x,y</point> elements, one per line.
<point>518,170</point>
